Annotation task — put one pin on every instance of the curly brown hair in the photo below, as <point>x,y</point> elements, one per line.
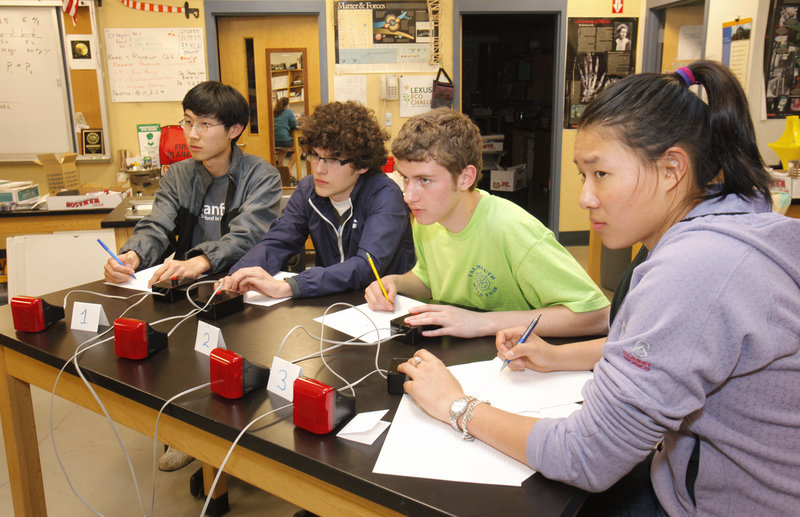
<point>444,136</point>
<point>347,130</point>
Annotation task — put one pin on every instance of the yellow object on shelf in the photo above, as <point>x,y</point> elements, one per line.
<point>787,147</point>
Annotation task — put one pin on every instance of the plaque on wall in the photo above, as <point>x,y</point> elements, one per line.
<point>92,141</point>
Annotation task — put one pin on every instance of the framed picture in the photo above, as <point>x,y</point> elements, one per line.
<point>92,140</point>
<point>80,53</point>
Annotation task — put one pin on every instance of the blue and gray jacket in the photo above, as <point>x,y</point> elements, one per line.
<point>377,223</point>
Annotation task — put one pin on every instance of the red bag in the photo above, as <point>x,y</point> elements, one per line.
<point>172,147</point>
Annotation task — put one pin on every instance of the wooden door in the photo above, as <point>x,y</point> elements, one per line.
<point>269,31</point>
<point>689,18</point>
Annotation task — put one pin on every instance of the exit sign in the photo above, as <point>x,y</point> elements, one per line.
<point>616,6</point>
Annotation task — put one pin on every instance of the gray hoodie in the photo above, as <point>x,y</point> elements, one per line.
<point>705,352</point>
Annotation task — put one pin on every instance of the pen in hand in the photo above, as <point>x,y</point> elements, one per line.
<point>377,277</point>
<point>103,244</point>
<point>525,336</point>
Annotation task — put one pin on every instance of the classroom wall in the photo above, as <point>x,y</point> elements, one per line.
<point>123,117</point>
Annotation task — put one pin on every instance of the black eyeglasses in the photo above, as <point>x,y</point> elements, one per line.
<point>313,158</point>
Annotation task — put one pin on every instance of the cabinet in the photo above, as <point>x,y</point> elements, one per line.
<point>289,83</point>
<point>288,78</point>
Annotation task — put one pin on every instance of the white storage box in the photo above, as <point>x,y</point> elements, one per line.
<point>508,180</point>
<point>85,202</point>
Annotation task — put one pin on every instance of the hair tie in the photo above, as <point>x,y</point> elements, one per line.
<point>686,75</point>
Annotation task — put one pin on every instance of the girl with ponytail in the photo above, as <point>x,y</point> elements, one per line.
<point>698,379</point>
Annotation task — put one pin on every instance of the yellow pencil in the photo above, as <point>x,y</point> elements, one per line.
<point>372,265</point>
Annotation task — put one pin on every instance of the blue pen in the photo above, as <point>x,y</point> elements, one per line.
<point>524,337</point>
<point>103,244</point>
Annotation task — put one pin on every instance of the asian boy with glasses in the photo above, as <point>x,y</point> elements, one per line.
<point>348,207</point>
<point>210,208</point>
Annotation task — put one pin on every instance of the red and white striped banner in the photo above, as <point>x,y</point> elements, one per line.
<point>71,8</point>
<point>158,8</point>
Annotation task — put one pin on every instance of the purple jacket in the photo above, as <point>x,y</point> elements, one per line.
<point>378,224</point>
<point>704,354</point>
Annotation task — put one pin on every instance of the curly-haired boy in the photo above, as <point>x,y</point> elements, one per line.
<point>348,207</point>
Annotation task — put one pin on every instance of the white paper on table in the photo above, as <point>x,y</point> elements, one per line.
<point>140,283</point>
<point>360,322</point>
<point>518,392</point>
<point>365,427</point>
<point>446,455</point>
<point>255,298</point>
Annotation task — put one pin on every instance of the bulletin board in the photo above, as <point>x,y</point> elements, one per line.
<point>48,99</point>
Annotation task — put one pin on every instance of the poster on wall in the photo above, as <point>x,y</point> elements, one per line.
<point>736,47</point>
<point>600,51</point>
<point>782,59</point>
<point>382,36</point>
<point>415,94</point>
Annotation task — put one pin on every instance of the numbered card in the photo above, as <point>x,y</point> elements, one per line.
<point>88,316</point>
<point>281,378</point>
<point>208,338</point>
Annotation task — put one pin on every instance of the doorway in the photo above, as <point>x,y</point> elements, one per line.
<point>507,88</point>
<point>245,42</point>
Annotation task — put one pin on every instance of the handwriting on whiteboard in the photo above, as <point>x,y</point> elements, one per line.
<point>147,65</point>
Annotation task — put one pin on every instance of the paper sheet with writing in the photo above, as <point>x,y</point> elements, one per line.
<point>439,451</point>
<point>361,321</point>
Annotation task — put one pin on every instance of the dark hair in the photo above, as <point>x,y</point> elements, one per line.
<point>220,101</point>
<point>280,106</point>
<point>347,130</point>
<point>653,112</point>
<point>443,135</point>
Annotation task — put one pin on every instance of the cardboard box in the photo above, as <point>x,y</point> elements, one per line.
<point>18,191</point>
<point>492,145</point>
<point>61,171</point>
<point>85,202</point>
<point>508,180</point>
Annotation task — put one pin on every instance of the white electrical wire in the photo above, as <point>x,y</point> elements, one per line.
<point>155,439</point>
<point>82,347</point>
<point>184,317</point>
<point>230,451</point>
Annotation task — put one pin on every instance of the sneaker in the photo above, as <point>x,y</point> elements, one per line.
<point>173,459</point>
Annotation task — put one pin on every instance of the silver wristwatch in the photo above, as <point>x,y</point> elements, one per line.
<point>457,408</point>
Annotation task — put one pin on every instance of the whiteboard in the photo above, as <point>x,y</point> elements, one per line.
<point>34,104</point>
<point>150,65</point>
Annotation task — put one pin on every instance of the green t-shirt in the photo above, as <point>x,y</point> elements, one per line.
<point>505,259</point>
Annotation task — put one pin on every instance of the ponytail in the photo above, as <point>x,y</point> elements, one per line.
<point>653,112</point>
<point>280,106</point>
